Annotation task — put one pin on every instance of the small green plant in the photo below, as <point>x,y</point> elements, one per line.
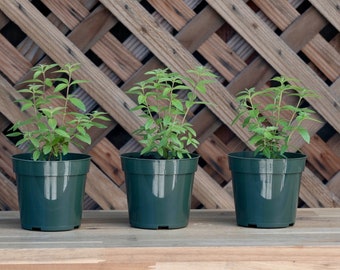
<point>165,100</point>
<point>52,127</point>
<point>271,130</point>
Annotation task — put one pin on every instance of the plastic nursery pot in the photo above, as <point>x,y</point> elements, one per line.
<point>51,192</point>
<point>158,190</point>
<point>266,191</point>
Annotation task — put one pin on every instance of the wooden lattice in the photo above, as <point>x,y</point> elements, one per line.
<point>244,42</point>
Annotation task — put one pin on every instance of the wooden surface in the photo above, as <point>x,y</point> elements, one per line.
<point>211,241</point>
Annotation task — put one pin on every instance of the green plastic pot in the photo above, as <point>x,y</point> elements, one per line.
<point>159,191</point>
<point>51,192</point>
<point>266,191</point>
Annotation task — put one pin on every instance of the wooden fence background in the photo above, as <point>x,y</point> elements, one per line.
<point>116,41</point>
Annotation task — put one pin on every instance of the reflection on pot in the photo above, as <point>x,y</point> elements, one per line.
<point>160,185</point>
<point>271,184</point>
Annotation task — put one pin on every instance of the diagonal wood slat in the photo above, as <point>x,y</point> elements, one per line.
<point>330,9</point>
<point>277,54</point>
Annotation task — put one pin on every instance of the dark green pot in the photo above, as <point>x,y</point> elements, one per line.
<point>159,191</point>
<point>266,191</point>
<point>51,192</point>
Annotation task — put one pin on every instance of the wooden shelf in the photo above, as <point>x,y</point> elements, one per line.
<point>211,241</point>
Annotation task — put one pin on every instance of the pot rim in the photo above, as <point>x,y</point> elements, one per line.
<point>137,155</point>
<point>69,157</point>
<point>250,155</point>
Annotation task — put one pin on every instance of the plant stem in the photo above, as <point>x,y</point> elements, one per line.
<point>67,96</point>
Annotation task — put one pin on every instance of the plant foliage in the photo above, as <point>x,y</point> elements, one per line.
<point>51,128</point>
<point>272,132</point>
<point>165,99</point>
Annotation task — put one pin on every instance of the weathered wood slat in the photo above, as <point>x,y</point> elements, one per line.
<point>116,57</point>
<point>325,57</point>
<point>108,157</point>
<point>177,13</point>
<point>314,193</point>
<point>282,13</point>
<point>276,52</point>
<point>7,97</point>
<point>92,28</point>
<point>69,12</point>
<point>334,184</point>
<point>216,51</point>
<point>8,194</point>
<point>12,61</point>
<point>7,150</point>
<point>210,193</point>
<point>104,191</point>
<point>330,9</point>
<point>317,151</point>
<point>213,152</point>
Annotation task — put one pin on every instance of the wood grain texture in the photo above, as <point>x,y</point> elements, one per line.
<point>211,241</point>
<point>330,9</point>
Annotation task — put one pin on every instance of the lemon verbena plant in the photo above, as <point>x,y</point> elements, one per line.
<point>165,99</point>
<point>52,126</point>
<point>269,125</point>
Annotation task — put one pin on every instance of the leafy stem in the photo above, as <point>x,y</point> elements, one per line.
<point>272,135</point>
<point>49,138</point>
<point>165,99</point>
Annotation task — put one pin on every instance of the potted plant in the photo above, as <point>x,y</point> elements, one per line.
<point>50,180</point>
<point>266,182</point>
<point>159,179</point>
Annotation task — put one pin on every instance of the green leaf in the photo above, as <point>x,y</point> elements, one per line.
<point>52,123</point>
<point>79,82</point>
<point>98,125</point>
<point>36,155</point>
<point>62,133</point>
<point>27,106</point>
<point>84,138</point>
<point>266,152</point>
<point>47,112</point>
<point>149,123</point>
<point>255,139</point>
<point>81,130</point>
<point>78,103</point>
<point>65,149</point>
<point>154,109</point>
<point>48,82</point>
<point>60,87</point>
<point>47,149</point>
<point>37,73</point>
<point>141,99</point>
<point>304,134</point>
<point>35,142</point>
<point>178,104</point>
<point>63,80</point>
<point>14,134</point>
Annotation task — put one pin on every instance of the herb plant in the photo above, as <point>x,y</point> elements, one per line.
<point>165,100</point>
<point>52,126</point>
<point>271,130</point>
